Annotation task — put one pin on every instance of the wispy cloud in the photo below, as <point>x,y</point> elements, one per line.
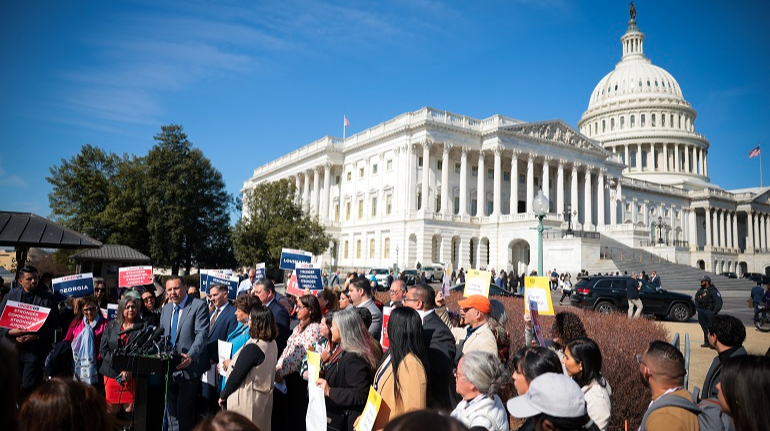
<point>8,179</point>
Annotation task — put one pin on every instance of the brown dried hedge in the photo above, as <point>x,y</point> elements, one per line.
<point>619,338</point>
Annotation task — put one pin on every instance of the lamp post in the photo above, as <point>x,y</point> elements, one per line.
<point>397,272</point>
<point>540,205</point>
<point>331,257</point>
<point>568,213</point>
<point>661,225</point>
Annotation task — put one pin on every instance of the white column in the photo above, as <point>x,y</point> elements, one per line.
<point>706,163</point>
<point>480,194</point>
<point>729,230</point>
<point>687,149</point>
<point>426,206</point>
<point>708,227</point>
<point>498,184</point>
<point>306,193</point>
<point>600,199</point>
<point>573,187</point>
<point>464,181</point>
<point>327,191</point>
<point>412,183</point>
<point>560,188</point>
<point>735,229</point>
<point>625,160</point>
<point>750,232</point>
<point>638,157</point>
<point>588,214</point>
<point>715,228</point>
<point>514,182</point>
<point>445,191</point>
<point>762,231</point>
<point>297,189</point>
<point>665,157</point>
<point>693,229</point>
<point>651,164</point>
<point>700,161</point>
<point>530,181</point>
<point>634,212</point>
<point>723,227</point>
<point>546,180</point>
<point>677,166</point>
<point>316,190</point>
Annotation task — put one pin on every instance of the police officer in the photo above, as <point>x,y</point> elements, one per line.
<point>708,302</point>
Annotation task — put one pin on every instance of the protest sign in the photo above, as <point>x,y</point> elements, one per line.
<point>309,278</point>
<point>538,289</point>
<point>313,366</point>
<point>536,323</point>
<point>204,280</point>
<point>292,287</point>
<point>260,271</point>
<point>27,317</point>
<point>110,312</point>
<point>77,285</point>
<point>384,340</point>
<point>477,282</point>
<point>134,276</point>
<point>290,258</point>
<point>212,278</point>
<point>369,415</point>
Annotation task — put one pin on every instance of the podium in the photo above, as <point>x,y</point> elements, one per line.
<point>144,368</point>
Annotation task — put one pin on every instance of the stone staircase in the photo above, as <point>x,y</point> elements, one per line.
<point>619,257</point>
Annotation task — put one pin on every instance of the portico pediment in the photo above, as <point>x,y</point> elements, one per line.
<point>556,131</point>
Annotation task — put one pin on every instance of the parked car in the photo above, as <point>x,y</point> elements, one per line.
<point>730,275</point>
<point>381,274</point>
<point>411,276</point>
<point>608,294</point>
<point>433,272</point>
<point>757,277</point>
<point>494,290</point>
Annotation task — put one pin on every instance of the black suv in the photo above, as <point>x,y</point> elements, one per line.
<point>608,294</point>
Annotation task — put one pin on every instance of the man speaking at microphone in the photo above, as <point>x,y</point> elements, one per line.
<point>186,320</point>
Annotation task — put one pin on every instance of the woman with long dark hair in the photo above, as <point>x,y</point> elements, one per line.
<point>583,361</point>
<point>401,379</point>
<point>348,373</point>
<point>744,392</point>
<point>528,364</point>
<point>249,387</point>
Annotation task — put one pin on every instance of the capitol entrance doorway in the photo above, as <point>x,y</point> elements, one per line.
<point>518,256</point>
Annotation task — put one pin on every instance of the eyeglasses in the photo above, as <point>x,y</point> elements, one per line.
<point>639,359</point>
<point>393,292</point>
<point>148,299</point>
<point>89,309</point>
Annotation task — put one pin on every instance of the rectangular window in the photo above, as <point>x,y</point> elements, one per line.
<point>347,210</point>
<point>457,168</point>
<point>337,180</point>
<point>358,249</point>
<point>522,179</point>
<point>491,174</point>
<point>439,165</point>
<point>350,176</point>
<point>386,248</point>
<point>360,172</point>
<point>612,124</point>
<point>622,122</point>
<point>490,207</point>
<point>663,120</point>
<point>371,248</point>
<point>652,120</point>
<point>474,171</point>
<point>374,169</point>
<point>360,209</point>
<point>506,176</point>
<point>346,250</point>
<point>644,158</point>
<point>457,205</point>
<point>419,161</point>
<point>374,206</point>
<point>388,204</point>
<point>473,206</point>
<point>633,120</point>
<point>642,121</point>
<point>336,212</point>
<point>438,203</point>
<point>389,165</point>
<point>419,200</point>
<point>632,156</point>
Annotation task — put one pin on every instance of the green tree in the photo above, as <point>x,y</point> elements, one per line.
<point>187,205</point>
<point>126,211</point>
<point>80,191</point>
<point>272,220</point>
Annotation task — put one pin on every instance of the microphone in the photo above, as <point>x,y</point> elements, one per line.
<point>140,339</point>
<point>136,327</point>
<point>155,336</point>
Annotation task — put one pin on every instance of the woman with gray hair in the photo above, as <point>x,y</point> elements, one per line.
<point>478,377</point>
<point>119,386</point>
<point>348,372</point>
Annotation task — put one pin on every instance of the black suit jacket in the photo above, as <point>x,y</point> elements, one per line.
<point>282,320</point>
<point>110,344</point>
<point>349,380</point>
<point>37,349</point>
<point>441,353</point>
<point>223,326</point>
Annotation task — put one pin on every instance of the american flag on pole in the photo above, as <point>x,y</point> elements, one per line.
<point>345,121</point>
<point>754,152</point>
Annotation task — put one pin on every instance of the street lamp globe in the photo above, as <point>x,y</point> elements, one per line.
<point>540,204</point>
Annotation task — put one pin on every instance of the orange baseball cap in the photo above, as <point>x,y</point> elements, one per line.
<point>478,302</point>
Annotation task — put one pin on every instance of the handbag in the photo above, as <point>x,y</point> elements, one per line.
<point>751,302</point>
<point>337,421</point>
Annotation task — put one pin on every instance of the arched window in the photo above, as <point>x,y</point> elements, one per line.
<point>633,120</point>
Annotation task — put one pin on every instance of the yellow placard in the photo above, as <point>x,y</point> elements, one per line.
<point>538,289</point>
<point>313,366</point>
<point>370,411</point>
<point>477,282</point>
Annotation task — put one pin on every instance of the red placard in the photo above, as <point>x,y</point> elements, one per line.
<point>134,276</point>
<point>293,286</point>
<point>384,340</point>
<point>27,317</point>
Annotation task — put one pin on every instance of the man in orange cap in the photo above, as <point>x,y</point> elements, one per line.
<point>475,310</point>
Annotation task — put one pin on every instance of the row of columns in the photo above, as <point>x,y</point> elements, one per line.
<point>678,161</point>
<point>722,229</point>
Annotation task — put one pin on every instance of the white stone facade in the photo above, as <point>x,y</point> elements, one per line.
<point>432,186</point>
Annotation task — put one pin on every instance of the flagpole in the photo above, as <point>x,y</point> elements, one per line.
<point>345,126</point>
<point>760,164</point>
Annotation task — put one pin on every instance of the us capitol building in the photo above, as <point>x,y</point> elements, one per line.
<point>433,186</point>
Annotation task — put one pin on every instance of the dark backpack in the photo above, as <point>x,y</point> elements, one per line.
<point>710,418</point>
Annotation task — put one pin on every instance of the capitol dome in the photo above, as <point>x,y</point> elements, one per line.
<point>638,111</point>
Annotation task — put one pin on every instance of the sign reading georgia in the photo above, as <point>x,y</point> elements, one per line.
<point>78,285</point>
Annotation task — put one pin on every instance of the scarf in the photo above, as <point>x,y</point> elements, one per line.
<point>84,352</point>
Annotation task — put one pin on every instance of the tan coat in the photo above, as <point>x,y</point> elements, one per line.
<point>413,384</point>
<point>673,418</point>
<point>254,398</point>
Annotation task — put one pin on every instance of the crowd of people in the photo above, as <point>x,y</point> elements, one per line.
<point>442,369</point>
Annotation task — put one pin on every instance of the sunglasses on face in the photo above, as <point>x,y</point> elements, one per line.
<point>99,290</point>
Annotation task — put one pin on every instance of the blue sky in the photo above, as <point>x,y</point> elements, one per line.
<point>252,80</point>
